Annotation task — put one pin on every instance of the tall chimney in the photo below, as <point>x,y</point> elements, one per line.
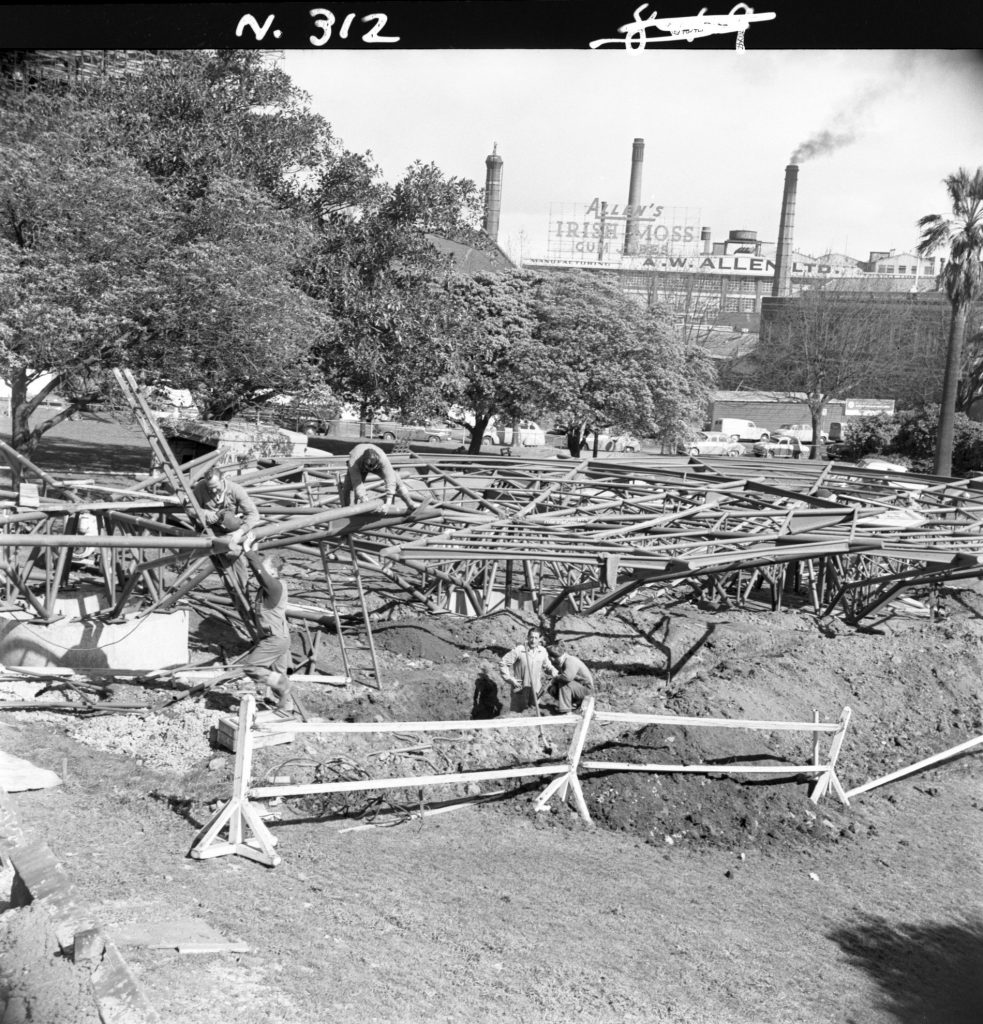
<point>782,284</point>
<point>493,193</point>
<point>705,241</point>
<point>634,197</point>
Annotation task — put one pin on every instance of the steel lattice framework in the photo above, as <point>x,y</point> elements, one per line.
<point>553,534</point>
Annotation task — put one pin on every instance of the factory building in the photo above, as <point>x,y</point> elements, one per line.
<point>665,255</point>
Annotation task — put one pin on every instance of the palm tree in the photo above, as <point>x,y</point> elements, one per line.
<point>961,278</point>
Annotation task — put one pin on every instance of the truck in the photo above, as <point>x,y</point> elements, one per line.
<point>741,430</point>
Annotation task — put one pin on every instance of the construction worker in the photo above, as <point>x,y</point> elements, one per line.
<point>573,680</point>
<point>230,513</point>
<point>364,459</point>
<point>523,667</point>
<point>225,505</point>
<point>268,661</point>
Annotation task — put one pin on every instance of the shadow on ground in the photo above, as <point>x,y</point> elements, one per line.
<point>926,972</point>
<point>67,455</point>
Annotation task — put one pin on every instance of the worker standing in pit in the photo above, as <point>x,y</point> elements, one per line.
<point>523,667</point>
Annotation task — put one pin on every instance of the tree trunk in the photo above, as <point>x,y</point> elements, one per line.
<point>478,433</point>
<point>950,388</point>
<point>816,412</point>
<point>20,421</point>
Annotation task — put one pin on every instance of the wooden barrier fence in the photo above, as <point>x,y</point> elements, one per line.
<point>239,817</point>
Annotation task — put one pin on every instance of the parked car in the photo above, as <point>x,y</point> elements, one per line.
<point>779,448</point>
<point>803,431</point>
<point>530,433</point>
<point>613,443</point>
<point>712,442</point>
<point>741,430</point>
<point>432,433</point>
<point>883,465</point>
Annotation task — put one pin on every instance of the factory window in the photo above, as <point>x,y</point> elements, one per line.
<point>902,270</point>
<point>889,270</point>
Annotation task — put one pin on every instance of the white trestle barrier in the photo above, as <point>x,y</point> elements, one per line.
<point>238,817</point>
<point>826,773</point>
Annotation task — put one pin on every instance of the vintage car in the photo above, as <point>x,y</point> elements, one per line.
<point>432,433</point>
<point>711,442</point>
<point>803,431</point>
<point>780,448</point>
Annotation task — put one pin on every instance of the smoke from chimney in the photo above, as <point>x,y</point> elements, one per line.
<point>844,129</point>
<point>820,144</point>
<point>783,258</point>
<point>634,197</point>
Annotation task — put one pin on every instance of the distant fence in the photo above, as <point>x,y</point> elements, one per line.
<point>239,817</point>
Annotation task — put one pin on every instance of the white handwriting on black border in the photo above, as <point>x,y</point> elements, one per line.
<point>324,20</point>
<point>635,36</point>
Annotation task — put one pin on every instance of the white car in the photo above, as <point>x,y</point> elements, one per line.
<point>613,443</point>
<point>780,448</point>
<point>530,434</point>
<point>711,442</point>
<point>803,431</point>
<point>883,465</point>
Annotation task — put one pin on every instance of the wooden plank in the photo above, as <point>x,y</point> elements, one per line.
<point>464,725</point>
<point>171,934</point>
<point>707,769</point>
<point>121,999</point>
<point>411,781</point>
<point>718,723</point>
<point>927,762</point>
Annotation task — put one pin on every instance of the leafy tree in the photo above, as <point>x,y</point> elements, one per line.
<point>188,116</point>
<point>917,440</point>
<point>611,362</point>
<point>221,313</point>
<point>145,221</point>
<point>81,223</point>
<point>434,203</point>
<point>962,279</point>
<point>395,339</point>
<point>499,364</point>
<point>871,435</point>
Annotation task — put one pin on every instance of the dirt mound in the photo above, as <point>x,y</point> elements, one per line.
<point>715,811</point>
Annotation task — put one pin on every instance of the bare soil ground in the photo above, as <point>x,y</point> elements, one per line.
<point>692,899</point>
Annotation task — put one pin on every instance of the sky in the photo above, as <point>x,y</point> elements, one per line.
<point>719,128</point>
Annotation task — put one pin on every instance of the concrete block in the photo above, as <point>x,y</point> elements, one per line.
<point>160,640</point>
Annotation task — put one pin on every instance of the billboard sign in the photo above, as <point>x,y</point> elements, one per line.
<point>868,406</point>
<point>596,231</point>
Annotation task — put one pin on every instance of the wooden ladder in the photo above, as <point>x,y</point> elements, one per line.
<point>360,660</point>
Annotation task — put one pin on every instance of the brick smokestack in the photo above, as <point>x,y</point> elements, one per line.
<point>493,193</point>
<point>634,197</point>
<point>782,285</point>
